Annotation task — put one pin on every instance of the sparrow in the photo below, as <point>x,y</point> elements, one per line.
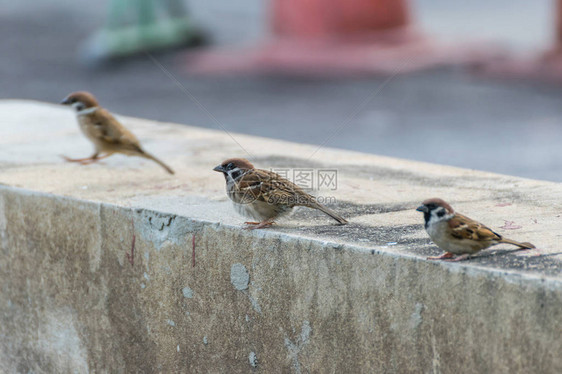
<point>108,135</point>
<point>264,195</point>
<point>457,234</point>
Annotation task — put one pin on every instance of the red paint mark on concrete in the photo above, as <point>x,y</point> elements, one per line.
<point>193,251</point>
<point>510,225</point>
<point>131,256</point>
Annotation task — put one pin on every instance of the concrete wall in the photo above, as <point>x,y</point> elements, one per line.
<point>200,297</point>
<point>91,282</point>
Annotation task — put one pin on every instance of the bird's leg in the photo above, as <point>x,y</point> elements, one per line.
<point>84,161</point>
<point>259,225</point>
<point>88,160</point>
<point>442,257</point>
<point>460,258</point>
<point>93,159</point>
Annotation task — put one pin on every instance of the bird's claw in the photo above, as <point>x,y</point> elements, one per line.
<point>258,225</point>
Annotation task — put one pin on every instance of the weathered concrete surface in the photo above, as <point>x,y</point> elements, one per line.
<point>201,295</point>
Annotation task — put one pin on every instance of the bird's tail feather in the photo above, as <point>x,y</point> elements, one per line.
<point>159,162</point>
<point>525,245</point>
<point>331,213</point>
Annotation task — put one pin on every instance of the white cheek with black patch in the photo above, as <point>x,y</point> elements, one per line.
<point>83,112</point>
<point>232,178</point>
<point>439,214</point>
<point>234,174</point>
<point>436,216</point>
<point>78,106</point>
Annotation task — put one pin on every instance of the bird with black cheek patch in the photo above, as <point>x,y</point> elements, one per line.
<point>101,128</point>
<point>264,195</point>
<point>457,234</point>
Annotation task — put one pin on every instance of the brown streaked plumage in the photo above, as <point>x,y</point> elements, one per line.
<point>107,134</point>
<point>457,234</point>
<point>264,195</point>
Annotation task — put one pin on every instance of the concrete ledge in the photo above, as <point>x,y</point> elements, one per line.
<point>197,294</point>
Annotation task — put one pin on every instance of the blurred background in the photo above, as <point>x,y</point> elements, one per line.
<point>442,114</point>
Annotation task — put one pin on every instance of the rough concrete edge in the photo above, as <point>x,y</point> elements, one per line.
<point>472,270</point>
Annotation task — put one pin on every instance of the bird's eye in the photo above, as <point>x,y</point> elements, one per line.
<point>230,166</point>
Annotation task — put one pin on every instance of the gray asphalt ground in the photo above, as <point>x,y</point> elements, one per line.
<point>442,116</point>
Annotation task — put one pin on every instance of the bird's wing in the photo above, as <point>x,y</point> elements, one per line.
<point>272,188</point>
<point>108,129</point>
<point>463,227</point>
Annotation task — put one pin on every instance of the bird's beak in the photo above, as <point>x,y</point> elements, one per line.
<point>219,168</point>
<point>66,101</point>
<point>422,208</point>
